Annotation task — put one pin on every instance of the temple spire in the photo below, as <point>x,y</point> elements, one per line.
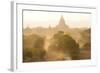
<point>62,23</point>
<point>50,27</point>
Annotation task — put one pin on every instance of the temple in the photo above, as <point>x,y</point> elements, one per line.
<point>61,26</point>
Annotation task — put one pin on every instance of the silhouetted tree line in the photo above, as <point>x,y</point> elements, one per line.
<point>33,48</point>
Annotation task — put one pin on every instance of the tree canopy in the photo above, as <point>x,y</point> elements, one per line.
<point>33,48</point>
<point>65,43</point>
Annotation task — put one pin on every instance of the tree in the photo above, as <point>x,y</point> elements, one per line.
<point>85,51</point>
<point>33,48</point>
<point>66,44</point>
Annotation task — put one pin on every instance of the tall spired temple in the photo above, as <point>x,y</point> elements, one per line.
<point>61,26</point>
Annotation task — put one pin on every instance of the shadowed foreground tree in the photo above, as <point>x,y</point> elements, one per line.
<point>85,52</point>
<point>64,43</point>
<point>33,48</point>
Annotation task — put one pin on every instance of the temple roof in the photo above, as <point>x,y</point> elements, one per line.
<point>62,23</point>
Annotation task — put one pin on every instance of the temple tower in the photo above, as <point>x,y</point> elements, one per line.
<point>62,24</point>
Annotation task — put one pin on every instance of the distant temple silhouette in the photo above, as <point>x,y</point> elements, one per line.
<point>61,26</point>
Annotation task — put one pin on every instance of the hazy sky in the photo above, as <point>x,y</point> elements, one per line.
<point>44,19</point>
